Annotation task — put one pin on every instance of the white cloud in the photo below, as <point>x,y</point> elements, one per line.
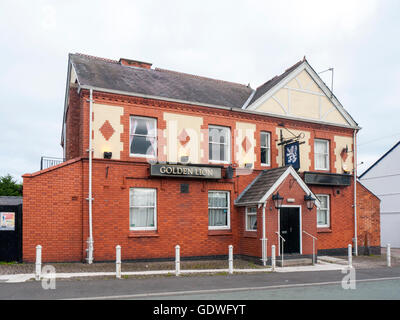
<point>243,41</point>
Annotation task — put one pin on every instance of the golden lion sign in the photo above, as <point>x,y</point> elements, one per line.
<point>184,171</point>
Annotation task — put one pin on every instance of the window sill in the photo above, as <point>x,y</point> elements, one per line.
<point>227,232</point>
<point>250,234</point>
<point>324,230</point>
<point>322,170</point>
<point>216,162</point>
<point>143,234</point>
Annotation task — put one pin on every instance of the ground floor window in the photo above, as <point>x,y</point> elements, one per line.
<point>142,207</point>
<point>323,212</point>
<point>251,218</point>
<point>218,210</point>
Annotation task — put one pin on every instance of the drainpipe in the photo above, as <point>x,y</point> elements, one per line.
<point>264,245</point>
<point>355,194</point>
<point>90,196</point>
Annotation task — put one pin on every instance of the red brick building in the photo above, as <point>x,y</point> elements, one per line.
<point>188,160</point>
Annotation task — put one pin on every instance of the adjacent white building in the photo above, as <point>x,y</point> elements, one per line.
<point>383,179</point>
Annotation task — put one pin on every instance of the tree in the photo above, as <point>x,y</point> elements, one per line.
<point>9,186</point>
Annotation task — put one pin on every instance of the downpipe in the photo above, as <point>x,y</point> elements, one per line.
<point>90,195</point>
<point>355,193</point>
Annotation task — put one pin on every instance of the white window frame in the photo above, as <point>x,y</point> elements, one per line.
<point>328,211</point>
<point>269,148</point>
<point>228,144</point>
<point>139,155</point>
<point>228,218</point>
<point>250,214</point>
<point>155,211</point>
<point>325,154</point>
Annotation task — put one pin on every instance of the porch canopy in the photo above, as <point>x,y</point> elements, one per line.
<point>266,183</point>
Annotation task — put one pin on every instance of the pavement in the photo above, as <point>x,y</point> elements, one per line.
<point>372,283</point>
<point>15,278</point>
<point>15,273</point>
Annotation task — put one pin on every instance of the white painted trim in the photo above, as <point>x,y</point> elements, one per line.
<point>139,155</point>
<point>247,111</point>
<point>277,87</point>
<point>280,104</point>
<point>305,91</point>
<point>328,112</point>
<point>228,213</point>
<point>278,182</point>
<point>328,154</point>
<point>298,82</point>
<point>319,82</point>
<point>300,226</point>
<point>249,99</point>
<point>268,164</point>
<point>245,217</point>
<point>228,161</point>
<point>155,211</point>
<point>329,211</point>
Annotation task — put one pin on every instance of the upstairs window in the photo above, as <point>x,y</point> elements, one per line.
<point>323,213</point>
<point>143,137</point>
<point>142,207</point>
<point>321,154</point>
<point>218,210</point>
<point>265,148</point>
<point>251,218</point>
<point>219,144</point>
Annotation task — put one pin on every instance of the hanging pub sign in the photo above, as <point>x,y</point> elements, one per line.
<point>292,155</point>
<point>185,171</point>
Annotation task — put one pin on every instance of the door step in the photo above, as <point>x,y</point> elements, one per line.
<point>293,262</point>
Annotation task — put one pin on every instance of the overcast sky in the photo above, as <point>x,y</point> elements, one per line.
<point>241,41</point>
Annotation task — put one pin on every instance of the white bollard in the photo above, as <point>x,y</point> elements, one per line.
<point>38,262</point>
<point>388,255</point>
<point>230,259</point>
<point>350,255</point>
<point>273,257</point>
<point>177,260</point>
<point>118,261</point>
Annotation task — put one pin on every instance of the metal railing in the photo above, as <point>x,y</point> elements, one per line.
<point>47,162</point>
<point>313,245</point>
<point>283,240</point>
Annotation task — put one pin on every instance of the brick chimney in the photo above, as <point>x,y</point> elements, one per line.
<point>135,63</point>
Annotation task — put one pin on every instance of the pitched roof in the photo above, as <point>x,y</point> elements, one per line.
<point>10,201</point>
<point>380,159</point>
<point>264,88</point>
<point>259,190</point>
<point>260,185</point>
<point>111,75</point>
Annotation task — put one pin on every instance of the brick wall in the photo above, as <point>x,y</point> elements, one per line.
<point>368,216</point>
<point>56,212</point>
<point>155,108</point>
<point>73,123</point>
<point>56,215</point>
<point>52,213</point>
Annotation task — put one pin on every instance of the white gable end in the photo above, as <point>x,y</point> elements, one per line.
<point>303,95</point>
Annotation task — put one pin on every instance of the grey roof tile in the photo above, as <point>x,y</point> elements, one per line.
<point>260,186</point>
<point>264,88</point>
<point>110,74</point>
<point>10,201</point>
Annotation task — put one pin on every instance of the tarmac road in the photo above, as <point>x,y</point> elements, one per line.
<point>379,283</point>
